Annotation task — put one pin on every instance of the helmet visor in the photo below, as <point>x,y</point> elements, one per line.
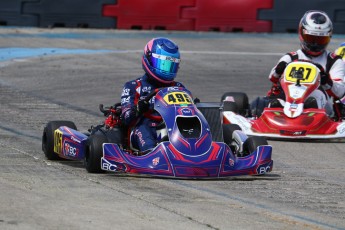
<point>319,40</point>
<point>165,63</point>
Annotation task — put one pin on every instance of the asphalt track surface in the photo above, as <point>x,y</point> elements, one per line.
<point>66,74</point>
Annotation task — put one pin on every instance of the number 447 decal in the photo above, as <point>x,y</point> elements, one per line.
<point>309,72</point>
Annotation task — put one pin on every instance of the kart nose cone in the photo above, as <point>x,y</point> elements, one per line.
<point>196,172</point>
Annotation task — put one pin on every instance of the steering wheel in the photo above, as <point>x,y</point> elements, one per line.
<point>149,114</point>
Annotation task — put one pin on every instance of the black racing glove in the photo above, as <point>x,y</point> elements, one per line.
<point>326,79</point>
<point>275,91</point>
<point>143,106</point>
<point>280,67</point>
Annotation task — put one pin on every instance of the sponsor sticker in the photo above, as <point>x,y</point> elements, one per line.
<point>75,139</point>
<point>155,161</point>
<point>293,107</point>
<point>125,100</point>
<point>231,162</point>
<point>70,150</point>
<point>265,168</point>
<point>187,111</point>
<point>293,133</point>
<point>146,89</point>
<point>106,165</point>
<point>341,128</point>
<point>125,92</point>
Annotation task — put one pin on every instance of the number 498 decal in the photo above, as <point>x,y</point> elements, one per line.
<point>177,98</point>
<point>57,141</point>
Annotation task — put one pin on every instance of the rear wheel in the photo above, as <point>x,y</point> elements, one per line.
<point>94,153</point>
<point>240,99</point>
<point>228,130</point>
<point>230,106</point>
<point>48,137</point>
<point>252,143</point>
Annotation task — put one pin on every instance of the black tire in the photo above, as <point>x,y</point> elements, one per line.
<point>94,153</point>
<point>258,106</point>
<point>115,135</point>
<point>241,100</point>
<point>251,144</point>
<point>230,106</point>
<point>48,138</point>
<point>228,129</point>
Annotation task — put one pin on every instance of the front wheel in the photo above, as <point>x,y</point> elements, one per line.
<point>94,153</point>
<point>48,137</point>
<point>228,130</point>
<point>252,143</point>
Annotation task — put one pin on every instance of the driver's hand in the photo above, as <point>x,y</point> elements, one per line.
<point>280,67</point>
<point>274,91</point>
<point>143,106</point>
<point>326,81</point>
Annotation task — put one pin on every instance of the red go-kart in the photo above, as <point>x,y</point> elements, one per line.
<point>293,115</point>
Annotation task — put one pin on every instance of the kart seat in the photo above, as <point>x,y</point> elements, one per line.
<point>310,103</point>
<point>275,103</point>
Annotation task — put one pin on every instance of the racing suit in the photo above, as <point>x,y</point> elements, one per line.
<point>143,135</point>
<point>332,64</point>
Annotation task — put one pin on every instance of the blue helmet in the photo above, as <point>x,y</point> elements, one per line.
<point>161,59</point>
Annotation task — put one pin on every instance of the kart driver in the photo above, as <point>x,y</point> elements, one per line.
<point>315,32</point>
<point>160,62</point>
<point>341,51</point>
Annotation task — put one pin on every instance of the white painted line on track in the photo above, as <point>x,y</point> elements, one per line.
<point>232,53</point>
<point>207,52</point>
<point>17,55</point>
<point>19,151</point>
